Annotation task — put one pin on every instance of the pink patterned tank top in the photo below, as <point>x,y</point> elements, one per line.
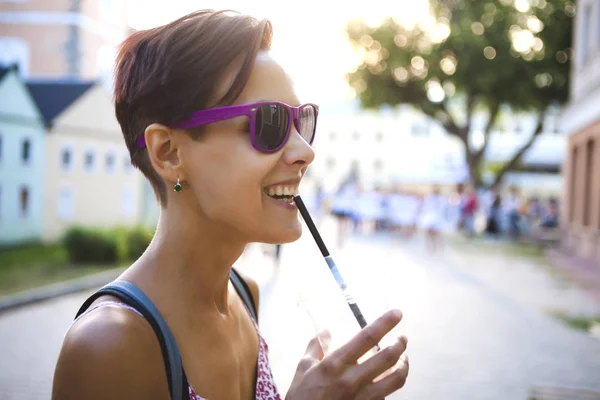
<point>265,384</point>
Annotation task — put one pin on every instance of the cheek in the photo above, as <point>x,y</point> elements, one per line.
<point>230,191</point>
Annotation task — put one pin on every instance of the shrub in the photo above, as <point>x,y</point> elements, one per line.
<point>138,239</point>
<point>109,246</point>
<point>87,245</point>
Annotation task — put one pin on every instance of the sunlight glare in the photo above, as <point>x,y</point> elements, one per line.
<point>309,42</point>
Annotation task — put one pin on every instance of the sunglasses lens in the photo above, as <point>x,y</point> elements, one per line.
<point>308,122</point>
<point>272,121</point>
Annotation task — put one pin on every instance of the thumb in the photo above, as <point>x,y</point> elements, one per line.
<point>313,354</point>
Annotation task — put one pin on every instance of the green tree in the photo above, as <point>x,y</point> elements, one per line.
<point>477,56</point>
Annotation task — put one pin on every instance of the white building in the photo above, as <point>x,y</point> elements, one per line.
<point>404,146</point>
<point>22,156</point>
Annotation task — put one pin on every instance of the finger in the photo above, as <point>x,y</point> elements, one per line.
<point>380,362</point>
<point>387,385</point>
<point>312,355</point>
<point>367,338</point>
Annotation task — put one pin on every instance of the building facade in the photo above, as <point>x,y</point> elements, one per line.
<point>22,158</point>
<point>580,216</point>
<point>405,147</point>
<point>62,38</point>
<point>88,177</point>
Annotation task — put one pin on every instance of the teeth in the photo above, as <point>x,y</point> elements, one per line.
<point>282,190</point>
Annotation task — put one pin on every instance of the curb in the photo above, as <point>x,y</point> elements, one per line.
<point>31,296</point>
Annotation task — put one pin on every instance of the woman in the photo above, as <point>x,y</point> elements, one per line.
<point>223,177</point>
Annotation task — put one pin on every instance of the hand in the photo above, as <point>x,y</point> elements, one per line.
<point>339,376</point>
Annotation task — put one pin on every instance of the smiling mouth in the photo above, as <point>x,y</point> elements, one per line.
<point>283,193</point>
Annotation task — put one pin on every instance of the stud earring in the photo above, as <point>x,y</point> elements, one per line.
<point>177,187</point>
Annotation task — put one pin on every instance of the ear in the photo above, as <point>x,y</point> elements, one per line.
<point>163,152</point>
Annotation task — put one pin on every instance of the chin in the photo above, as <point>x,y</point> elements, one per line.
<point>288,235</point>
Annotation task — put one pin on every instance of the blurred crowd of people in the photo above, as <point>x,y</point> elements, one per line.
<point>491,212</point>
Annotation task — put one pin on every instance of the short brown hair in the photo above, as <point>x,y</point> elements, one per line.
<point>166,73</point>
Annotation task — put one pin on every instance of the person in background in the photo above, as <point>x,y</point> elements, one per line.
<point>513,213</point>
<point>550,219</point>
<point>493,214</point>
<point>432,219</point>
<point>469,208</point>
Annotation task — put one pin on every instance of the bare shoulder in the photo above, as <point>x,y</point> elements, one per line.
<point>110,353</point>
<point>253,286</point>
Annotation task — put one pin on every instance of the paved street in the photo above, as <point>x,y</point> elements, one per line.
<point>471,335</point>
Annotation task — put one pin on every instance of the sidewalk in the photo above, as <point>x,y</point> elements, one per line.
<point>539,283</point>
<point>586,273</point>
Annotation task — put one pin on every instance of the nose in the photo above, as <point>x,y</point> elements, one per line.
<point>297,151</point>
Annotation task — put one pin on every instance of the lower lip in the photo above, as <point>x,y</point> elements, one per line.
<point>288,206</point>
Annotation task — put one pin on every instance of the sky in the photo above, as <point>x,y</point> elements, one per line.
<point>309,39</point>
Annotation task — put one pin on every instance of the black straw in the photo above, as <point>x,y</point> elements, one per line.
<point>311,225</point>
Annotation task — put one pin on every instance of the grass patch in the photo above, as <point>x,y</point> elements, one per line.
<point>500,247</point>
<point>33,265</point>
<point>32,254</point>
<point>580,323</point>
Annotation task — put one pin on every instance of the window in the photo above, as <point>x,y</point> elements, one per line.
<point>127,202</point>
<point>573,187</point>
<point>379,136</point>
<point>332,136</point>
<point>378,164</point>
<point>356,135</point>
<point>0,148</point>
<point>598,24</point>
<point>66,159</point>
<point>24,201</point>
<point>89,160</point>
<point>589,178</point>
<point>26,151</point>
<point>110,162</point>
<point>127,166</point>
<point>585,34</point>
<point>65,203</point>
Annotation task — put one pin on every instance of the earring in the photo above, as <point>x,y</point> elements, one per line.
<point>177,187</point>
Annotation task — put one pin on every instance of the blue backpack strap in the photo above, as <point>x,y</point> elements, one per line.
<point>242,289</point>
<point>133,296</point>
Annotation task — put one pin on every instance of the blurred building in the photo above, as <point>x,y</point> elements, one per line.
<point>63,161</point>
<point>62,38</point>
<point>580,215</point>
<point>22,159</point>
<point>404,146</point>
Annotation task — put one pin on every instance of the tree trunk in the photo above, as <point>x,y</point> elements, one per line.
<point>474,165</point>
<point>514,161</point>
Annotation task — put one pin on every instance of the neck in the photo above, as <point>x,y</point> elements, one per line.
<point>189,261</point>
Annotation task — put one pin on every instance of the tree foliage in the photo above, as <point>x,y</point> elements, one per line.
<point>473,56</point>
